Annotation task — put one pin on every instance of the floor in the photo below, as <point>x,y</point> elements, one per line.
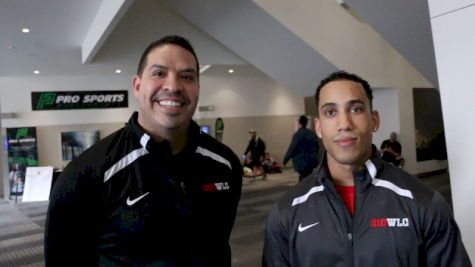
<point>22,225</point>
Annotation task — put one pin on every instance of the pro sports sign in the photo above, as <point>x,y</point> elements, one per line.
<point>79,100</point>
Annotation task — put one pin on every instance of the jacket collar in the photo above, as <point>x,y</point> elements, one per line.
<point>373,167</point>
<point>145,141</point>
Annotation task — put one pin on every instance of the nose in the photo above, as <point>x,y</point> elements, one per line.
<point>172,83</point>
<point>344,121</point>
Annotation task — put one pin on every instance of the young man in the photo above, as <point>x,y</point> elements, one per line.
<point>257,148</point>
<point>357,210</point>
<point>158,192</point>
<point>303,150</point>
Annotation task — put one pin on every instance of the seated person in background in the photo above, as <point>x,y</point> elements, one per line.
<point>391,151</point>
<point>247,165</point>
<point>270,165</point>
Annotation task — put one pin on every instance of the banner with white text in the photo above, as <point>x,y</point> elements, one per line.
<point>79,100</point>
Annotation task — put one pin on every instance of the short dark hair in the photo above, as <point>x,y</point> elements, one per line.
<point>303,120</point>
<point>343,75</point>
<point>170,39</point>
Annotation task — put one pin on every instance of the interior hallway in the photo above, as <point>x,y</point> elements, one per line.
<point>22,225</point>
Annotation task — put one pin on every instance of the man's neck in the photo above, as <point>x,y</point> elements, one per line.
<point>176,137</point>
<point>342,174</point>
<point>178,141</point>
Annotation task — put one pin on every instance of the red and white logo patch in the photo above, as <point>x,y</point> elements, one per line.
<point>388,222</point>
<point>212,187</point>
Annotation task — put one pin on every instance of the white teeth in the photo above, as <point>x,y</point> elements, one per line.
<point>169,103</point>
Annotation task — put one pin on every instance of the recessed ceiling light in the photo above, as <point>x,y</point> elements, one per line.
<point>36,72</point>
<point>230,71</point>
<point>25,30</point>
<point>118,71</point>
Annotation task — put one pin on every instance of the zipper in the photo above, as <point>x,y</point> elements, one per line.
<point>341,210</point>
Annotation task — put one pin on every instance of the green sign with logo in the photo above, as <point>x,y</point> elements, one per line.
<point>79,100</point>
<point>22,153</point>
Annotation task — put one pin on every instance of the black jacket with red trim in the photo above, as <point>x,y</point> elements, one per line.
<point>398,221</point>
<point>128,201</point>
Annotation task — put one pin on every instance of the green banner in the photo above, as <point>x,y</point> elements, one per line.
<point>22,152</point>
<point>79,100</point>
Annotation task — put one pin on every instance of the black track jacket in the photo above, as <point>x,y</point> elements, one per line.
<point>398,221</point>
<point>127,201</point>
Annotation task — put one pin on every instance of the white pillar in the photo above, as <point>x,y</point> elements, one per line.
<point>453,28</point>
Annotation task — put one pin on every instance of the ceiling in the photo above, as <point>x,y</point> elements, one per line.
<point>96,37</point>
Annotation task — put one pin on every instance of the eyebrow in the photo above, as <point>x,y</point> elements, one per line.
<point>356,101</point>
<point>348,104</point>
<point>329,104</point>
<point>158,66</point>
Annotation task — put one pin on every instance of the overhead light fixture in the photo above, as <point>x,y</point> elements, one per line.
<point>25,30</point>
<point>230,71</point>
<point>36,72</point>
<point>203,68</point>
<point>118,71</point>
<point>343,4</point>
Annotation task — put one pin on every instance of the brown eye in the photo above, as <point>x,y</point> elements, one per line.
<point>356,109</point>
<point>188,77</point>
<point>329,113</point>
<point>158,73</point>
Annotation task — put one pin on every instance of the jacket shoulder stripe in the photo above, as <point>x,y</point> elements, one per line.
<point>371,168</point>
<point>393,187</point>
<point>302,199</point>
<point>205,152</point>
<point>144,140</point>
<point>124,162</point>
<point>383,183</point>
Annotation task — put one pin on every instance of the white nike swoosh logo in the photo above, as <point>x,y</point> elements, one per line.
<point>303,228</point>
<point>131,202</point>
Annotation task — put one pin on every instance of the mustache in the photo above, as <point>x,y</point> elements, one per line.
<point>177,96</point>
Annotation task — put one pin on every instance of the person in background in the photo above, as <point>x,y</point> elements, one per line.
<point>356,209</point>
<point>257,148</point>
<point>270,165</point>
<point>391,151</point>
<point>303,149</point>
<point>157,192</point>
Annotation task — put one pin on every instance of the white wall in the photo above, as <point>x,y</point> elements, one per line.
<point>386,102</point>
<point>454,42</point>
<point>247,95</point>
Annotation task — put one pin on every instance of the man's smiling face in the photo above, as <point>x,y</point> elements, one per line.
<point>167,90</point>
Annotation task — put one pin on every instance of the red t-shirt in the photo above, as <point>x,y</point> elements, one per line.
<point>347,194</point>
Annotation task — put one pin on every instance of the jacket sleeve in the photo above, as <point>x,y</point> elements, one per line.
<point>69,234</point>
<point>221,255</point>
<point>290,151</point>
<point>236,194</point>
<point>248,148</point>
<point>443,241</point>
<point>276,243</point>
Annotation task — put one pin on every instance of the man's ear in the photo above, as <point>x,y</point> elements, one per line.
<point>375,120</point>
<point>136,80</point>
<point>318,128</point>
